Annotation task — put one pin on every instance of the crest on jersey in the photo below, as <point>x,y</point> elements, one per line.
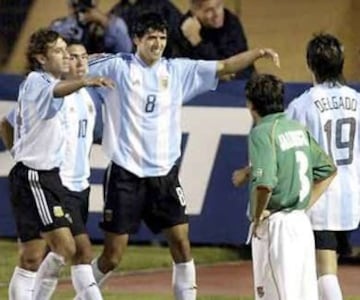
<point>108,215</point>
<point>260,291</point>
<point>58,211</point>
<point>164,82</point>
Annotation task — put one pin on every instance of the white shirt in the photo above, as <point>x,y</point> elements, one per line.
<point>142,130</point>
<point>80,113</point>
<point>332,115</point>
<point>39,128</point>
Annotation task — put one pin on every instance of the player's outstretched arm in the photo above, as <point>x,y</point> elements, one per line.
<point>69,86</point>
<point>242,60</point>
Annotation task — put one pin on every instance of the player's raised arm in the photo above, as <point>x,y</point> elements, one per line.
<point>242,60</point>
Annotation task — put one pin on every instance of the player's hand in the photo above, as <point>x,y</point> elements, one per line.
<point>94,15</point>
<point>227,77</point>
<point>270,53</point>
<point>191,30</point>
<point>257,222</point>
<point>99,81</point>
<point>240,176</point>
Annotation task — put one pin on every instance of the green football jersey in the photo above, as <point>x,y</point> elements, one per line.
<point>285,158</point>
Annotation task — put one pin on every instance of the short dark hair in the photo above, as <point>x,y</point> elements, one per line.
<point>38,44</point>
<point>325,58</point>
<point>266,93</point>
<point>147,21</point>
<point>72,42</point>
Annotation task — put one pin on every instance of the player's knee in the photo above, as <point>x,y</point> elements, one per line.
<point>66,250</point>
<point>109,262</point>
<point>181,249</point>
<point>83,255</point>
<point>31,261</point>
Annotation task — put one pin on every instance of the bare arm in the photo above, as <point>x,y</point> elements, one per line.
<point>69,86</point>
<point>319,188</point>
<point>7,133</point>
<point>242,60</point>
<point>262,197</point>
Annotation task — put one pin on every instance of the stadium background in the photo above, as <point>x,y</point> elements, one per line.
<point>215,124</point>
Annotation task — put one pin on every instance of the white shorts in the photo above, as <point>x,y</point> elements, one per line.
<point>284,258</point>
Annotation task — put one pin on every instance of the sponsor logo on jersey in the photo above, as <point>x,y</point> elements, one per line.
<point>58,211</point>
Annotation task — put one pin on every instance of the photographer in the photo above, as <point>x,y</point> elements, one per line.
<point>97,31</point>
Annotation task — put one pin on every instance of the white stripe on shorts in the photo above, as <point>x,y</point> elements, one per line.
<point>39,196</point>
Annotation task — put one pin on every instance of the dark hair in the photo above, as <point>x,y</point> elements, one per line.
<point>82,5</point>
<point>148,21</point>
<point>325,58</point>
<point>266,93</point>
<point>72,42</point>
<point>39,43</point>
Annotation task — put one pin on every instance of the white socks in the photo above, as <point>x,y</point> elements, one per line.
<point>84,283</point>
<point>100,277</point>
<point>184,281</point>
<point>47,276</point>
<point>21,284</point>
<point>329,287</point>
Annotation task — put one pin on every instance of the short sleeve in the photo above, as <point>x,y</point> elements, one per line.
<point>109,66</point>
<point>262,159</point>
<point>38,88</point>
<point>197,76</point>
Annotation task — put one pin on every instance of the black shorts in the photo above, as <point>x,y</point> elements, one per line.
<point>158,201</point>
<point>77,205</point>
<point>325,240</point>
<point>37,201</point>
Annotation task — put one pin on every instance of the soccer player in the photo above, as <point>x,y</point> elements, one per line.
<point>142,136</point>
<point>285,161</point>
<point>48,114</point>
<point>330,111</point>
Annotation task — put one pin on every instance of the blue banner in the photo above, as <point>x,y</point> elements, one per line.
<point>215,127</point>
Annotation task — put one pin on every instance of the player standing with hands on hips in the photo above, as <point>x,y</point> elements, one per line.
<point>142,137</point>
<point>330,110</point>
<point>289,172</point>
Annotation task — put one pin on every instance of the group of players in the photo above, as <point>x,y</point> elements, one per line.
<point>140,96</point>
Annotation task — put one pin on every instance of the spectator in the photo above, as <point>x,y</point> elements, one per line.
<point>130,10</point>
<point>97,31</point>
<point>210,31</point>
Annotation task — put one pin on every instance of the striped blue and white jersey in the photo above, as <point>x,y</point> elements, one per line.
<point>142,130</point>
<point>332,115</point>
<point>39,127</point>
<point>82,125</point>
<point>79,115</point>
